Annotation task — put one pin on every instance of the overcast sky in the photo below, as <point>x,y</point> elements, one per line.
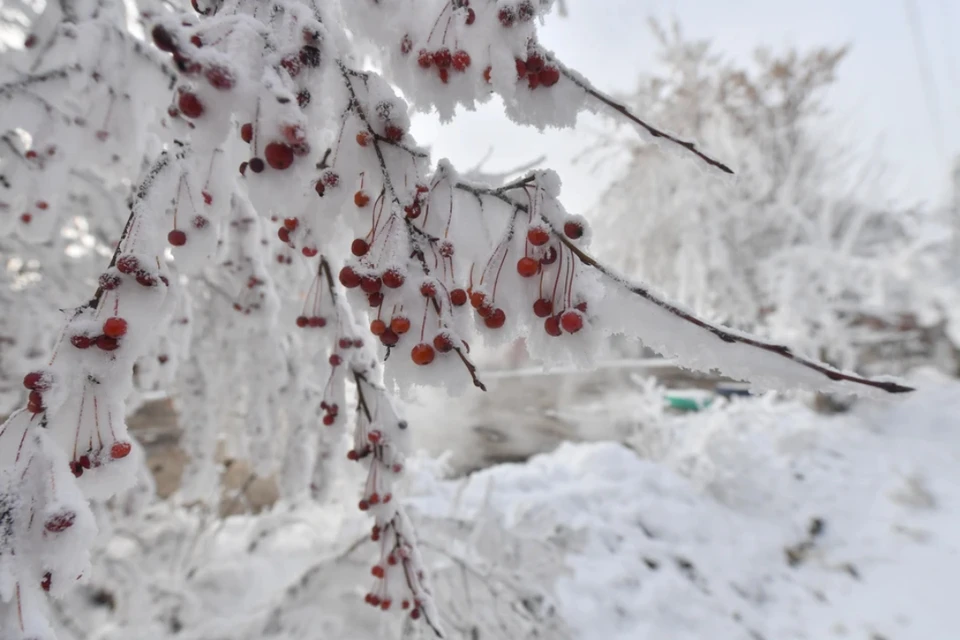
<point>880,91</point>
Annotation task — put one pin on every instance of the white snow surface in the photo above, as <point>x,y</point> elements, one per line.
<point>709,537</point>
<point>695,545</point>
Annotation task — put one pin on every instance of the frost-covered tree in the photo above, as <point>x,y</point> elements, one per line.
<point>283,240</point>
<point>798,247</point>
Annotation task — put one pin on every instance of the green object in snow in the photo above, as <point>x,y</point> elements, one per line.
<point>688,403</point>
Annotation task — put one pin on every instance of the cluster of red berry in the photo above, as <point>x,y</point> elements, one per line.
<point>443,60</point>
<point>521,12</point>
<point>221,78</point>
<point>536,71</point>
<point>279,154</point>
<point>287,233</point>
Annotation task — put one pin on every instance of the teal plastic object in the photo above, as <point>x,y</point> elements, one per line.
<point>688,403</point>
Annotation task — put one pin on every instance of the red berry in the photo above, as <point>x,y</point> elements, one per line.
<point>207,199</point>
<point>361,199</point>
<point>400,325</point>
<point>359,247</point>
<point>521,68</point>
<point>471,16</point>
<point>442,58</point>
<point>243,168</point>
<point>279,155</point>
<point>571,321</point>
<point>120,450</point>
<point>496,319</point>
<point>220,77</point>
<point>533,81</point>
<point>309,251</point>
<point>393,133</point>
<point>370,284</point>
<point>552,326</point>
<point>115,327</point>
<point>35,382</point>
<point>543,307</point>
<point>534,63</point>
<point>177,238</point>
<point>291,223</point>
<point>60,521</point>
<point>127,264</point>
<point>163,39</point>
<point>145,279</point>
<point>109,281</point>
<point>331,178</point>
<point>446,249</point>
<point>422,354</point>
<point>527,267</point>
<point>26,218</point>
<point>581,306</point>
<point>42,205</point>
<point>458,297</point>
<point>317,322</point>
<point>35,402</point>
<point>477,299</point>
<point>310,56</point>
<point>257,165</point>
<point>302,321</point>
<point>461,60</point>
<point>486,74</point>
<point>424,59</point>
<point>190,105</point>
<point>363,138</point>
<point>106,343</point>
<point>377,571</point>
<point>46,582</point>
<point>428,290</point>
<point>329,419</point>
<point>284,234</point>
<point>538,236</point>
<point>550,256</point>
<point>375,299</point>
<point>349,278</point>
<point>506,16</point>
<point>335,360</point>
<point>393,279</point>
<point>443,343</point>
<point>378,327</point>
<point>81,342</point>
<point>525,12</point>
<point>549,76</point>
<point>319,188</point>
<point>246,132</point>
<point>573,230</point>
<point>389,339</point>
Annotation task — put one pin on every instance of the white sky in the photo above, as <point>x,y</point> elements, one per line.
<point>880,94</point>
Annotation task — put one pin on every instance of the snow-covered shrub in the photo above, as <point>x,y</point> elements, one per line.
<point>279,213</point>
<point>802,246</point>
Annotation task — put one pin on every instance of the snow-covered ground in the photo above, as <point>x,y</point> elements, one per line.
<point>757,520</point>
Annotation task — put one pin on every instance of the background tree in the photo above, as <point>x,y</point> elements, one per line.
<point>800,245</point>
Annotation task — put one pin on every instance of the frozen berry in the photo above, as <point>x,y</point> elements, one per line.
<point>279,155</point>
<point>573,230</point>
<point>120,450</point>
<point>359,247</point>
<point>400,325</point>
<point>552,326</point>
<point>442,343</point>
<point>393,279</point>
<point>177,238</point>
<point>571,321</point>
<point>527,267</point>
<point>190,105</point>
<point>257,165</point>
<point>115,327</point>
<point>495,319</point>
<point>422,354</point>
<point>461,60</point>
<point>246,132</point>
<point>360,198</point>
<point>349,278</point>
<point>543,307</point>
<point>458,297</point>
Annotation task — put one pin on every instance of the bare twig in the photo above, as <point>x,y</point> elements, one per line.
<point>625,112</point>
